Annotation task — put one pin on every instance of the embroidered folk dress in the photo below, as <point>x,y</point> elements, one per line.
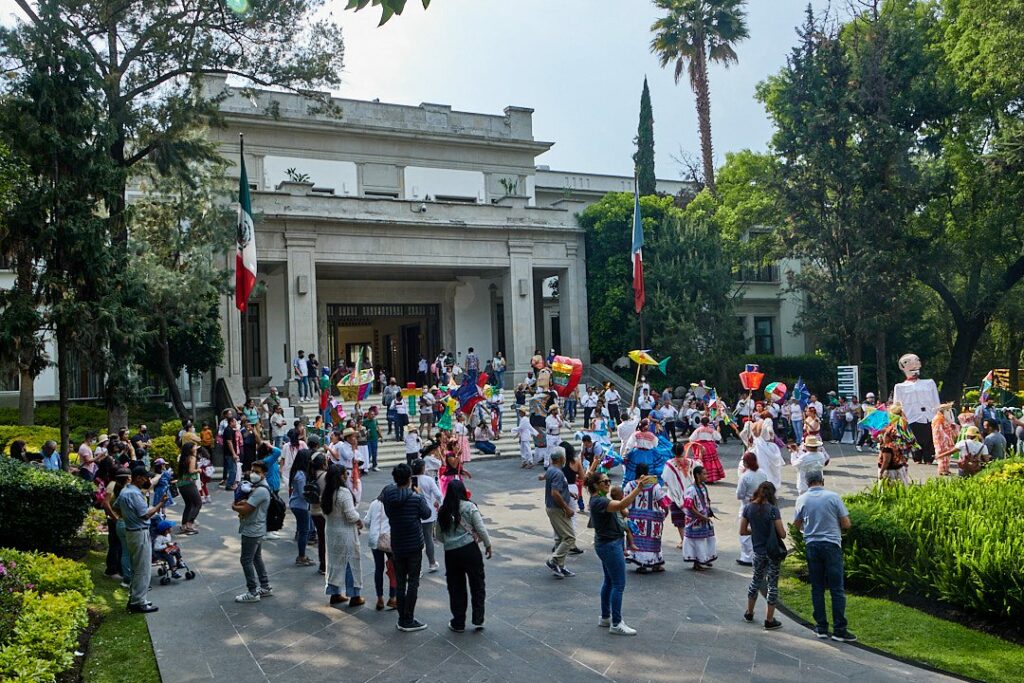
<point>647,517</point>
<point>698,535</point>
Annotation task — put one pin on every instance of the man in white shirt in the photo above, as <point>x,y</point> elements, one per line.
<point>401,415</point>
<point>611,401</point>
<point>589,402</point>
<point>525,431</point>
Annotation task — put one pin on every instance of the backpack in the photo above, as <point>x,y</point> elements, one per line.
<point>276,511</point>
<point>311,492</point>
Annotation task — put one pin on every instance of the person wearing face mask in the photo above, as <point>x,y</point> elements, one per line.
<point>252,525</point>
<point>131,504</point>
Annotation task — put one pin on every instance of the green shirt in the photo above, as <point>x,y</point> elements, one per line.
<point>372,430</point>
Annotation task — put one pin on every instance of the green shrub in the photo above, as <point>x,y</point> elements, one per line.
<point>164,447</point>
<point>40,509</point>
<point>49,573</point>
<point>960,540</point>
<point>45,637</point>
<point>34,437</point>
<point>171,428</point>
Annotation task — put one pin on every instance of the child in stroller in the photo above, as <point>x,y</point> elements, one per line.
<point>166,552</point>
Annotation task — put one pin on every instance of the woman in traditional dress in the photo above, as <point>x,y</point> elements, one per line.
<point>677,477</point>
<point>461,434</point>
<point>451,470</point>
<point>709,437</point>
<point>647,517</point>
<point>769,456</point>
<point>812,423</point>
<point>342,525</point>
<point>944,434</point>
<point>699,533</point>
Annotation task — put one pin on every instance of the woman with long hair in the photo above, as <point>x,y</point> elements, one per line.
<point>460,527</point>
<point>750,479</point>
<point>606,517</point>
<point>318,476</point>
<point>188,487</point>
<point>298,476</point>
<point>759,519</point>
<point>344,563</point>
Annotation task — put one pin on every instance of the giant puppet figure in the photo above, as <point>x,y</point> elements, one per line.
<point>920,399</point>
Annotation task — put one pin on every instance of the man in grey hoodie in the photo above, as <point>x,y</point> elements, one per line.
<point>406,510</point>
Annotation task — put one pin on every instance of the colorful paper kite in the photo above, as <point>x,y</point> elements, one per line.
<point>751,378</point>
<point>644,357</point>
<point>775,392</point>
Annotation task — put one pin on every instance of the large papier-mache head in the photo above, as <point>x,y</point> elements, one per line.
<point>910,364</point>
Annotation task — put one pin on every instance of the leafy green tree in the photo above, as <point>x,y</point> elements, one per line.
<point>389,8</point>
<point>151,60</point>
<point>52,119</point>
<point>693,34</point>
<point>181,231</point>
<point>22,350</point>
<point>614,328</point>
<point>853,111</point>
<point>643,158</point>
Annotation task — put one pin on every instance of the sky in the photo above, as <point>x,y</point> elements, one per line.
<point>579,64</point>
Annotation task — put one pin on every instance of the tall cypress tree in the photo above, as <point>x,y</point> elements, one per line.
<point>643,159</point>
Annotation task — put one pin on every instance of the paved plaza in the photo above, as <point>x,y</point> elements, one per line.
<point>539,628</point>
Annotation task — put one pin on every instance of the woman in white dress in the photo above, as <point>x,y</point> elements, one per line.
<point>769,456</point>
<point>342,525</point>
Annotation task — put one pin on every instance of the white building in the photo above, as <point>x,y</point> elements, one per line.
<point>407,230</point>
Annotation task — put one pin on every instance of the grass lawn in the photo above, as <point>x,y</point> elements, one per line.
<point>911,634</point>
<point>120,649</point>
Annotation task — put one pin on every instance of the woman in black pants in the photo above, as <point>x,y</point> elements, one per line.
<point>188,487</point>
<point>461,527</point>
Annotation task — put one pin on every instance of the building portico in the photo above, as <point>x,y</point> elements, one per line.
<point>391,262</point>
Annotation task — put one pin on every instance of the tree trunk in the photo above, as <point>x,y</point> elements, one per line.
<point>967,336</point>
<point>62,393</point>
<point>169,377</point>
<point>1013,361</point>
<point>880,367</point>
<point>702,90</point>
<point>26,398</point>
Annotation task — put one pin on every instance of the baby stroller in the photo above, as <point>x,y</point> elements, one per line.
<point>166,553</point>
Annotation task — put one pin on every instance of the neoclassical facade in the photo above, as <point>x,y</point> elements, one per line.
<point>413,233</point>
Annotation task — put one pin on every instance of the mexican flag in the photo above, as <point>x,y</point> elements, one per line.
<point>245,245</point>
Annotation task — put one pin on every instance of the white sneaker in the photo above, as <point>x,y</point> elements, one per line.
<point>247,597</point>
<point>604,622</point>
<point>620,629</point>
<point>434,567</point>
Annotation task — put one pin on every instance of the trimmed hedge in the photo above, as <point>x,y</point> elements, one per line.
<point>956,540</point>
<point>171,428</point>
<point>40,509</point>
<point>49,573</point>
<point>164,447</point>
<point>45,637</point>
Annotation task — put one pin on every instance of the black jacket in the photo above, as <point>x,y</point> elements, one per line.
<point>406,511</point>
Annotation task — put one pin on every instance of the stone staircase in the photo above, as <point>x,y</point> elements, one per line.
<point>391,452</point>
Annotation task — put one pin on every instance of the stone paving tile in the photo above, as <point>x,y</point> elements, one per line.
<point>538,628</point>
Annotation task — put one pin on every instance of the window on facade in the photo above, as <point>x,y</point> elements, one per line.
<point>764,335</point>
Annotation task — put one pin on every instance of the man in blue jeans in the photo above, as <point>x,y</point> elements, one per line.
<point>822,518</point>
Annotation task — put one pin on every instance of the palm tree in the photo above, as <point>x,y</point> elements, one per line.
<point>693,33</point>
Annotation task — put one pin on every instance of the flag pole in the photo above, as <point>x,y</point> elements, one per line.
<point>243,315</point>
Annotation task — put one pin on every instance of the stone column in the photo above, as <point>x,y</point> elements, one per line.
<point>519,309</point>
<point>572,295</point>
<point>301,287</point>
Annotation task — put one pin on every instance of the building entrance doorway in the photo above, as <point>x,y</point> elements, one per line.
<point>397,335</point>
